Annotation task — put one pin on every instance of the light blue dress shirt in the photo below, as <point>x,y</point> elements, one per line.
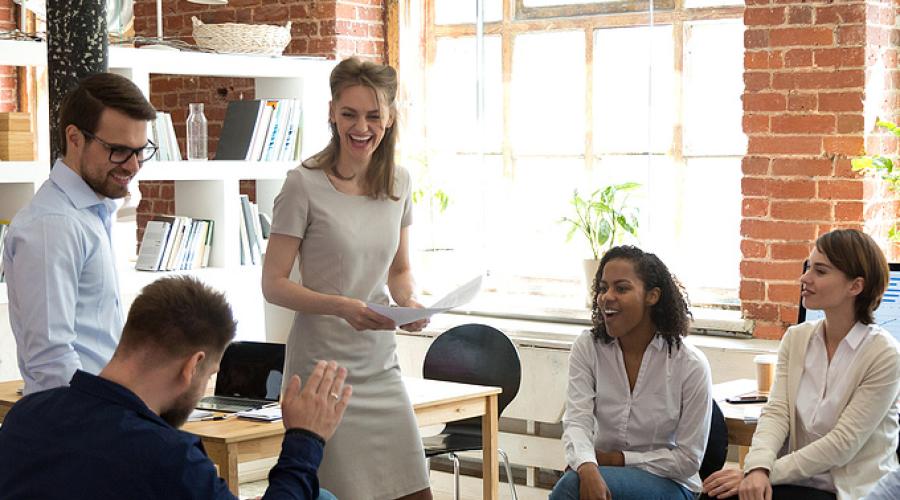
<point>886,489</point>
<point>64,305</point>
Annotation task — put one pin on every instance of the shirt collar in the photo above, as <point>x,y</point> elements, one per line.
<point>853,338</point>
<point>108,390</point>
<point>657,342</point>
<point>856,335</point>
<point>74,186</point>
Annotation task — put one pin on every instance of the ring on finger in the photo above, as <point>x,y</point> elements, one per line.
<point>335,395</point>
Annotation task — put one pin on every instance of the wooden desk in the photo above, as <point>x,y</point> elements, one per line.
<point>740,431</point>
<point>434,402</point>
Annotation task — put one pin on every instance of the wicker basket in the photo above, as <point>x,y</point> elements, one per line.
<point>242,38</point>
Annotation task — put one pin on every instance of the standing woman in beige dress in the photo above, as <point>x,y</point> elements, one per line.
<point>346,211</point>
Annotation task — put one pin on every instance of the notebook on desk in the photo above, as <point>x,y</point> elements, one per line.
<point>249,377</point>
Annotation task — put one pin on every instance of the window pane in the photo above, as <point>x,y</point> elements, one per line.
<point>524,234</point>
<point>693,4</point>
<point>627,116</point>
<point>463,11</point>
<point>548,98</point>
<point>448,245</point>
<point>713,83</point>
<point>709,249</point>
<point>550,3</point>
<point>451,96</point>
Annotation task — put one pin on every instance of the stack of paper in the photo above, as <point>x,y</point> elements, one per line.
<point>268,414</point>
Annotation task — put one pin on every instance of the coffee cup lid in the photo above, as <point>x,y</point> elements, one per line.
<point>766,359</point>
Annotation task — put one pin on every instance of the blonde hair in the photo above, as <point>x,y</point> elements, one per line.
<point>382,79</point>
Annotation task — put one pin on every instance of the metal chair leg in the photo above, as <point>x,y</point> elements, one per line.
<point>509,476</point>
<point>455,460</point>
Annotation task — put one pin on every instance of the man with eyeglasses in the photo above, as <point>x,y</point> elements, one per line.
<point>64,303</point>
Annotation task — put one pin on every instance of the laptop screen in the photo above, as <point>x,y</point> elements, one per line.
<point>888,313</point>
<point>251,370</point>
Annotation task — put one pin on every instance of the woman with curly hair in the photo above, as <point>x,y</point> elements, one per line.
<point>639,399</point>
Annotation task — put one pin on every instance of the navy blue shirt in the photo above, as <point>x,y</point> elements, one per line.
<point>97,439</point>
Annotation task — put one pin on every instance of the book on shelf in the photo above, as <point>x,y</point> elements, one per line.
<point>161,132</point>
<point>236,138</point>
<point>253,237</point>
<point>174,243</point>
<point>261,130</point>
<point>153,245</point>
<point>4,229</point>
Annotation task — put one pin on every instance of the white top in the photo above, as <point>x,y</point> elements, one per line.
<point>861,446</point>
<point>661,427</point>
<point>822,388</point>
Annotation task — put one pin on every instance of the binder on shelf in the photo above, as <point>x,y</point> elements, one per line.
<point>153,245</point>
<point>4,229</point>
<point>252,235</point>
<point>174,243</point>
<point>236,138</point>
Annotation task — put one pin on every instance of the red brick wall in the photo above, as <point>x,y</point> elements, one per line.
<point>328,28</point>
<point>8,78</point>
<point>806,114</point>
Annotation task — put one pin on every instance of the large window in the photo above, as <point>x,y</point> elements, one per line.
<point>577,95</point>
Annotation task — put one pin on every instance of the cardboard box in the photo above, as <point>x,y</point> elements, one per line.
<point>16,122</point>
<point>16,146</point>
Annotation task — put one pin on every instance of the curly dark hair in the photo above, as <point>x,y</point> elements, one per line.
<point>671,315</point>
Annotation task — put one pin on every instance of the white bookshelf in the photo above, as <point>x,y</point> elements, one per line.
<point>207,189</point>
<point>20,179</point>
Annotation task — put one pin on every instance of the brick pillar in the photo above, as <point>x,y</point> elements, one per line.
<point>809,102</point>
<point>8,75</point>
<point>329,28</point>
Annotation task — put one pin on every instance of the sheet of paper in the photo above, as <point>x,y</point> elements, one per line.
<point>197,415</point>
<point>456,298</point>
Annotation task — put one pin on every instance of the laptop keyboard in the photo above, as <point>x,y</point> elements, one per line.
<point>226,404</point>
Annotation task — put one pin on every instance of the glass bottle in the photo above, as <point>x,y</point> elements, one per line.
<point>196,132</point>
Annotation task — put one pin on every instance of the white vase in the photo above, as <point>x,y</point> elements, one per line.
<point>590,270</point>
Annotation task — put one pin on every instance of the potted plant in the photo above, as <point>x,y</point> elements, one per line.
<point>884,167</point>
<point>603,218</point>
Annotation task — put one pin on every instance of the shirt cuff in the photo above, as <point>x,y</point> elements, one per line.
<point>631,457</point>
<point>307,433</point>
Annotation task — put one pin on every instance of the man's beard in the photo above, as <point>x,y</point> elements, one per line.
<point>181,409</point>
<point>102,185</point>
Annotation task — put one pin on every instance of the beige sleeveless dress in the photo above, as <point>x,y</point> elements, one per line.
<point>348,245</point>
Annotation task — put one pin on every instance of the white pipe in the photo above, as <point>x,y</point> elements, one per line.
<point>159,21</point>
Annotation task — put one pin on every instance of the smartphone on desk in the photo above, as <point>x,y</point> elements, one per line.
<point>748,398</point>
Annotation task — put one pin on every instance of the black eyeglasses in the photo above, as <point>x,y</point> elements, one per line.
<point>119,154</point>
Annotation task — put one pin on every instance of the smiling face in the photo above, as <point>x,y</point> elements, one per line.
<point>361,119</point>
<point>91,158</point>
<point>825,287</point>
<point>623,302</point>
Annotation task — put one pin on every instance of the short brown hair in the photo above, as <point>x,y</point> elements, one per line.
<point>84,104</point>
<point>382,79</point>
<point>177,316</point>
<point>857,255</point>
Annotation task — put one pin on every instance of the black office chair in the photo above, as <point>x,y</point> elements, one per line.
<point>472,354</point>
<point>716,444</point>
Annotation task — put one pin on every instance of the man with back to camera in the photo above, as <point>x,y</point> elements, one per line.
<point>115,435</point>
<point>64,304</point>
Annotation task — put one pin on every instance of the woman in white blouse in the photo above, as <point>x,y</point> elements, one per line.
<point>830,427</point>
<point>638,405</point>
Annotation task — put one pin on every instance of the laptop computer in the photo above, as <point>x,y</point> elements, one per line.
<point>249,377</point>
<point>887,315</point>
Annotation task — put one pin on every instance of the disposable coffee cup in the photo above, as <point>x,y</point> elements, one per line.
<point>765,372</point>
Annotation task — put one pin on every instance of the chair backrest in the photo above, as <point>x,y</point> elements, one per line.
<point>716,444</point>
<point>475,354</point>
